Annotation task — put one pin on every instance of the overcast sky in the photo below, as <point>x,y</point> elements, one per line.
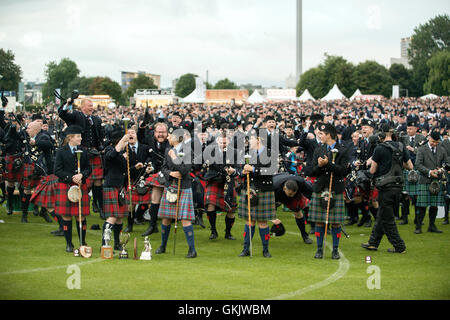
<point>248,41</point>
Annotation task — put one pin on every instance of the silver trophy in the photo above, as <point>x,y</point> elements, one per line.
<point>124,237</point>
<point>107,250</point>
<point>147,252</point>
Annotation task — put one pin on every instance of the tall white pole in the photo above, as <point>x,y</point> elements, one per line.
<point>299,40</point>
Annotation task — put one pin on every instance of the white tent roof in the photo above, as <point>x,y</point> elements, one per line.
<point>194,97</point>
<point>429,96</point>
<point>306,96</point>
<point>256,97</point>
<point>334,94</point>
<point>356,94</point>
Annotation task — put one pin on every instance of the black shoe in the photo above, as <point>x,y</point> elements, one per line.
<point>138,222</point>
<point>393,250</point>
<point>433,229</point>
<point>160,250</point>
<point>102,214</point>
<point>69,247</point>
<point>403,222</point>
<point>369,247</point>
<point>445,222</point>
<point>191,254</point>
<point>266,254</point>
<point>58,233</point>
<point>213,235</point>
<point>319,254</point>
<point>368,224</point>
<point>200,221</point>
<point>418,231</point>
<point>24,218</point>
<point>245,253</point>
<point>129,228</point>
<point>43,213</point>
<point>152,229</point>
<point>335,254</point>
<point>95,207</point>
<point>9,211</point>
<point>36,211</point>
<point>307,240</point>
<point>229,236</point>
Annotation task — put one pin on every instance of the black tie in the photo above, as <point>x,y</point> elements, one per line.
<point>134,149</point>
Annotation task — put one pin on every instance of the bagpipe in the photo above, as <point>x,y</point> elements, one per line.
<point>442,177</point>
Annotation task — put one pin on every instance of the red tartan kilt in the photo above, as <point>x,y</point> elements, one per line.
<point>97,168</point>
<point>372,195</point>
<point>299,203</point>
<point>311,179</point>
<point>153,181</point>
<point>215,195</point>
<point>45,193</point>
<point>27,182</point>
<point>111,207</point>
<point>136,198</point>
<point>64,207</point>
<point>9,174</point>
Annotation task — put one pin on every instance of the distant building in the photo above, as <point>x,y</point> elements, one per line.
<point>405,44</point>
<point>126,78</point>
<point>290,82</point>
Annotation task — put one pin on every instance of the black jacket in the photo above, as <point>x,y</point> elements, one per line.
<point>157,150</point>
<point>261,178</point>
<point>304,187</point>
<point>142,155</point>
<point>323,174</point>
<point>66,165</point>
<point>184,167</point>
<point>115,168</point>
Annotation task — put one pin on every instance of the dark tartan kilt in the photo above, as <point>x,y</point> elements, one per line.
<point>136,198</point>
<point>9,174</point>
<point>410,188</point>
<point>265,209</point>
<point>97,167</point>
<point>371,195</point>
<point>64,207</point>
<point>153,181</point>
<point>167,210</point>
<point>111,207</point>
<point>215,195</point>
<point>299,203</point>
<point>425,199</point>
<point>45,193</point>
<point>27,181</point>
<point>319,214</point>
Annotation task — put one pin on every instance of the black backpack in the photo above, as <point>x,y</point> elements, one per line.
<point>394,178</point>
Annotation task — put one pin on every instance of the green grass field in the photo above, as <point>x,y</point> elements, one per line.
<point>34,265</point>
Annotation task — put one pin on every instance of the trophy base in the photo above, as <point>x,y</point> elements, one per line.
<point>86,252</point>
<point>106,253</point>
<point>146,256</point>
<point>123,255</point>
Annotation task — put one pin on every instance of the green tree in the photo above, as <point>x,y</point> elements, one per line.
<point>315,81</point>
<point>104,85</point>
<point>427,39</point>
<point>439,77</point>
<point>225,84</point>
<point>185,85</point>
<point>10,73</point>
<point>373,78</point>
<point>141,82</point>
<point>81,84</point>
<point>59,76</point>
<point>401,76</point>
<point>339,71</point>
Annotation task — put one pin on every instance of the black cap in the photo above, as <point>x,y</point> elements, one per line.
<point>412,123</point>
<point>36,116</point>
<point>73,130</point>
<point>435,135</point>
<point>368,122</point>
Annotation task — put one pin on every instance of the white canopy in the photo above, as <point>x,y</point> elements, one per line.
<point>306,96</point>
<point>256,97</point>
<point>194,97</point>
<point>356,94</point>
<point>334,94</point>
<point>429,96</point>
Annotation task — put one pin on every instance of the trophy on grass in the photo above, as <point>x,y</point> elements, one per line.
<point>107,250</point>
<point>124,237</point>
<point>147,252</point>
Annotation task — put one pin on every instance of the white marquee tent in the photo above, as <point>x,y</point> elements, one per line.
<point>429,96</point>
<point>334,94</point>
<point>356,94</point>
<point>306,96</point>
<point>256,97</point>
<point>194,97</point>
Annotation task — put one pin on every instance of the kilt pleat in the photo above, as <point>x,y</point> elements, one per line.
<point>298,203</point>
<point>410,188</point>
<point>215,195</point>
<point>153,181</point>
<point>64,207</point>
<point>97,168</point>
<point>137,198</point>
<point>111,206</point>
<point>167,210</point>
<point>9,174</point>
<point>45,193</point>
<point>336,214</point>
<point>27,181</point>
<point>426,199</point>
<point>263,211</point>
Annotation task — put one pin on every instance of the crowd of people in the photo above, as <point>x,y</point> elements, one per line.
<point>331,163</point>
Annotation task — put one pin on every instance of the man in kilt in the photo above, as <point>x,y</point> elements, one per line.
<point>34,168</point>
<point>412,141</point>
<point>93,139</point>
<point>325,162</point>
<point>262,207</point>
<point>156,139</point>
<point>140,165</point>
<point>176,170</point>
<point>114,204</point>
<point>431,157</point>
<point>66,169</point>
<point>220,176</point>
